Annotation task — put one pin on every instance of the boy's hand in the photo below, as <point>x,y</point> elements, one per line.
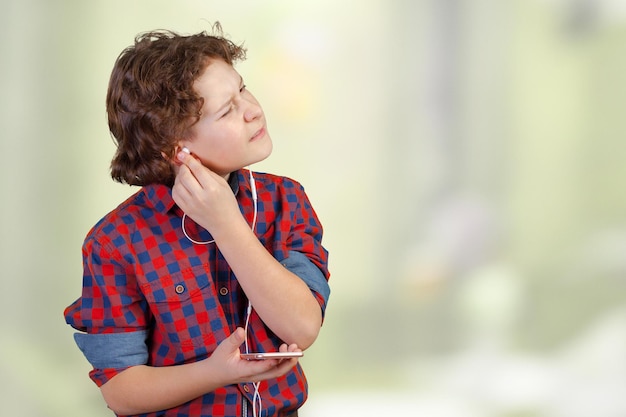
<point>204,196</point>
<point>226,362</point>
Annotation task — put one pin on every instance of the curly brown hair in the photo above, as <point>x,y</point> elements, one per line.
<point>151,103</point>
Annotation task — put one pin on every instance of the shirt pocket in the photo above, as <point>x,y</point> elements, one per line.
<point>188,317</point>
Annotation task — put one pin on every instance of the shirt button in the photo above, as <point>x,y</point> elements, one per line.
<point>180,288</point>
<point>246,389</point>
<point>223,291</point>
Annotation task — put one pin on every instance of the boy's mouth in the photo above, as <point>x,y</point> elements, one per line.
<point>259,133</point>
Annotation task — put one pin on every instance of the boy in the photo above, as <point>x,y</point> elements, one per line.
<point>207,260</point>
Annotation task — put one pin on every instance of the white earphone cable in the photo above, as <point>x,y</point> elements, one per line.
<point>256,397</point>
<point>257,402</point>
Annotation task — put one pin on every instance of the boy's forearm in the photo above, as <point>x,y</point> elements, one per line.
<point>283,301</point>
<point>144,389</point>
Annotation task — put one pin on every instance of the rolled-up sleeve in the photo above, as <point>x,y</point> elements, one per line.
<point>301,266</point>
<point>301,250</point>
<point>110,315</point>
<point>114,350</point>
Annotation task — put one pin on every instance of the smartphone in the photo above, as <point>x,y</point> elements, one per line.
<point>271,355</point>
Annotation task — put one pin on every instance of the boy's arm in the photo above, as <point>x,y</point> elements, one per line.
<point>283,300</point>
<point>142,389</point>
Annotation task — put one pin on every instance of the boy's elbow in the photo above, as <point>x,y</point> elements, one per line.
<point>116,396</point>
<point>118,409</point>
<point>307,341</point>
<point>308,333</point>
<point>113,400</point>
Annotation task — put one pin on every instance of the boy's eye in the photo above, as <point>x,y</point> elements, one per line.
<point>228,110</point>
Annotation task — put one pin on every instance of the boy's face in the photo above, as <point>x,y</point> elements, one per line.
<point>232,131</point>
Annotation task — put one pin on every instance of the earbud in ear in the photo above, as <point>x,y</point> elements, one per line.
<point>178,149</point>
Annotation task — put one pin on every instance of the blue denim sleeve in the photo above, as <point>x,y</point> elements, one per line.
<point>114,350</point>
<point>300,265</point>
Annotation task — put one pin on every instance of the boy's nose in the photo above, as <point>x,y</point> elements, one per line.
<point>252,112</point>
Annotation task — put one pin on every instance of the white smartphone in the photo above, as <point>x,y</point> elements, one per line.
<point>259,356</point>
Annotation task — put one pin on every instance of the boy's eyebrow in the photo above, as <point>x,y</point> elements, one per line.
<point>223,106</point>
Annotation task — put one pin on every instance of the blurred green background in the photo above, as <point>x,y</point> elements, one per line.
<point>465,157</point>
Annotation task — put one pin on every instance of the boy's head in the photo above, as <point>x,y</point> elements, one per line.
<point>151,103</point>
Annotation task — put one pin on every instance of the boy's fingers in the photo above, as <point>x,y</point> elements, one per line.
<point>191,161</point>
<point>187,180</point>
<point>278,369</point>
<point>198,170</point>
<point>182,156</point>
<point>194,166</point>
<point>237,337</point>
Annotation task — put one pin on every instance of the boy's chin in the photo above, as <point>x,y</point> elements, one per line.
<point>262,157</point>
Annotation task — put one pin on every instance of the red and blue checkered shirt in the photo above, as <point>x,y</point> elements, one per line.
<point>151,296</point>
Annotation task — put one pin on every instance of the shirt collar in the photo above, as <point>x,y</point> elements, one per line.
<point>159,196</point>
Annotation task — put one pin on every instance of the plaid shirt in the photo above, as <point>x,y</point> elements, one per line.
<point>143,277</point>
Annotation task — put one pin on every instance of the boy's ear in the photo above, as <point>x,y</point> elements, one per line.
<point>179,147</point>
<point>172,157</point>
